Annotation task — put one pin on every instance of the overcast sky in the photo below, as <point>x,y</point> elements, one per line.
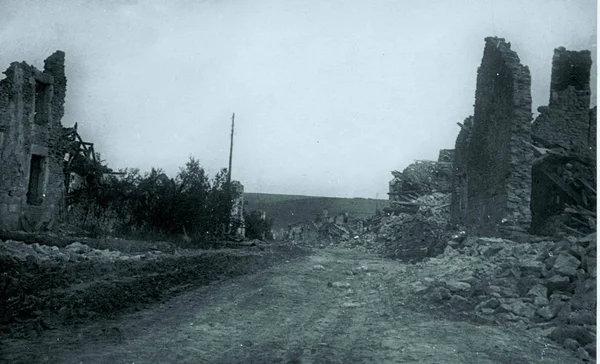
<point>329,95</point>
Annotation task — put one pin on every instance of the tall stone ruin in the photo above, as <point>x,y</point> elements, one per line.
<point>493,154</point>
<point>566,119</point>
<point>31,159</point>
<point>566,177</point>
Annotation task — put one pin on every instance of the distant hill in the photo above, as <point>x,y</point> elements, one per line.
<point>290,209</point>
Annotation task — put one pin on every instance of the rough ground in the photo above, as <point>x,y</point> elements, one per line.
<point>334,306</point>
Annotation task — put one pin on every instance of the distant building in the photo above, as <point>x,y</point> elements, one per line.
<point>237,225</point>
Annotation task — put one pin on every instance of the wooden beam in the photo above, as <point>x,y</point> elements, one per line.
<point>562,185</point>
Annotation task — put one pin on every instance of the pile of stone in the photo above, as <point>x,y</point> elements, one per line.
<point>413,237</point>
<point>544,284</point>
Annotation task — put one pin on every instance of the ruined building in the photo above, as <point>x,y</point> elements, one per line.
<point>31,157</point>
<point>512,176</point>
<point>566,119</point>
<point>564,135</point>
<point>493,154</point>
<point>420,178</point>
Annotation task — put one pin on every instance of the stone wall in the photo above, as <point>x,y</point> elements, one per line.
<point>458,206</point>
<point>592,130</point>
<point>498,154</point>
<point>566,119</point>
<point>31,158</point>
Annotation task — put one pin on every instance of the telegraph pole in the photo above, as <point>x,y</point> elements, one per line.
<point>229,187</point>
<point>230,149</point>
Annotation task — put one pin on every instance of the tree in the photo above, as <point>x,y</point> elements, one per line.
<point>257,227</point>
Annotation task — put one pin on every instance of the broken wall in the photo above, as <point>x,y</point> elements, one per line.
<point>31,157</point>
<point>498,154</point>
<point>568,127</point>
<point>566,119</point>
<point>459,200</point>
<point>422,177</point>
<point>592,131</point>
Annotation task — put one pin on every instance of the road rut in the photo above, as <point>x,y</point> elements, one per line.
<point>333,306</point>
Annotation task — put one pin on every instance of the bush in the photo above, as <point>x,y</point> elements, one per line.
<point>153,204</point>
<point>257,227</point>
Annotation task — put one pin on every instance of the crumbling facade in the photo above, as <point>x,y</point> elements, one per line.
<point>31,156</point>
<point>421,178</point>
<point>564,135</point>
<point>566,119</point>
<point>493,187</point>
<point>458,207</point>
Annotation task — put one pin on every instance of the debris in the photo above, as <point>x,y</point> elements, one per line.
<point>339,284</point>
<point>567,265</point>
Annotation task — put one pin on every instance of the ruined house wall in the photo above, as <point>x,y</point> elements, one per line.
<point>592,130</point>
<point>566,119</point>
<point>458,205</point>
<point>498,155</point>
<point>31,176</point>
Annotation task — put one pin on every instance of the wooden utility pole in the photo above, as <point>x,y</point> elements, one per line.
<point>230,149</point>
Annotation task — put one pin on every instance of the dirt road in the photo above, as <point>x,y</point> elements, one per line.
<point>329,307</point>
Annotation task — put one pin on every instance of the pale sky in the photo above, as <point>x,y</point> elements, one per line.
<point>329,95</point>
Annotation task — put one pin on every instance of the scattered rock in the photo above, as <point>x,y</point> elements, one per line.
<point>531,266</point>
<point>557,283</point>
<point>449,251</point>
<point>583,317</point>
<point>519,308</point>
<point>591,349</point>
<point>578,333</point>
<point>583,355</point>
<point>439,294</point>
<point>491,303</point>
<point>492,250</point>
<point>459,301</point>
<point>566,265</point>
<point>490,241</point>
<point>503,292</point>
<point>339,284</point>
<point>577,251</point>
<point>540,301</point>
<point>549,312</point>
<point>565,311</point>
<point>457,287</point>
<point>539,290</point>
<point>351,304</point>
<point>571,344</point>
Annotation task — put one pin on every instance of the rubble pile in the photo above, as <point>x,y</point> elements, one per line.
<point>564,190</point>
<point>546,284</point>
<point>416,236</point>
